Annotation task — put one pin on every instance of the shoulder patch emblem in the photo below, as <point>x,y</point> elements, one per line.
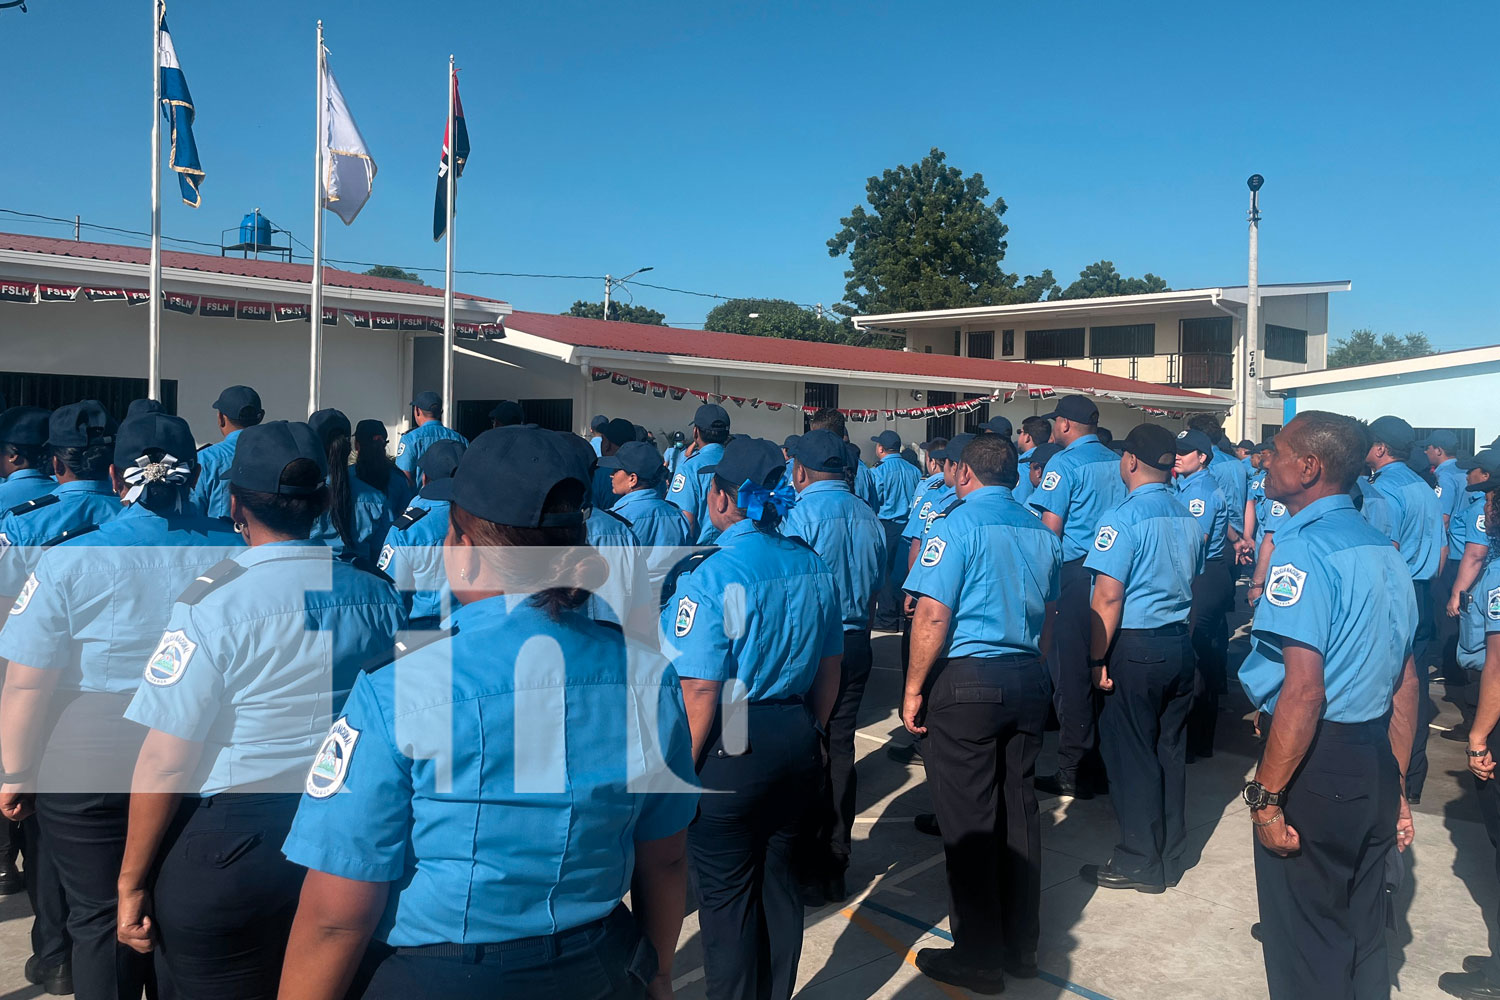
<point>385,557</point>
<point>932,552</point>
<point>167,664</point>
<point>5,541</point>
<point>24,597</point>
<point>1492,605</point>
<point>1196,508</point>
<point>1438,490</point>
<point>331,766</point>
<point>926,511</point>
<point>1105,540</point>
<point>687,610</point>
<point>1284,586</point>
<point>1050,481</point>
<point>678,482</point>
<point>400,448</point>
<point>1278,508</point>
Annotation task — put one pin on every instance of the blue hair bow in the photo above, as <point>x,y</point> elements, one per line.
<point>753,500</point>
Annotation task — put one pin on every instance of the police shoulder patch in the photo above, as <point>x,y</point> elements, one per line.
<point>1492,605</point>
<point>1284,585</point>
<point>678,482</point>
<point>166,665</point>
<point>1438,490</point>
<point>1050,481</point>
<point>1196,507</point>
<point>400,447</point>
<point>1277,508</point>
<point>385,557</point>
<point>1478,525</point>
<point>24,597</point>
<point>1105,540</point>
<point>932,552</point>
<point>331,766</point>
<point>687,611</point>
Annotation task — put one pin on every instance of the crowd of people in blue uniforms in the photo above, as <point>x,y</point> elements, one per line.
<point>285,715</point>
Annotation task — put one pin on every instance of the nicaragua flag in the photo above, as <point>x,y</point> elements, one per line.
<point>460,148</point>
<point>177,108</point>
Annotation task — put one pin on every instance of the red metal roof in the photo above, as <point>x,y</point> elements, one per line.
<point>810,354</point>
<point>233,266</point>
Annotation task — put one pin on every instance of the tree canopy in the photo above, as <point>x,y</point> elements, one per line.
<point>390,271</point>
<point>788,320</point>
<point>1363,347</point>
<point>623,313</point>
<point>1100,279</point>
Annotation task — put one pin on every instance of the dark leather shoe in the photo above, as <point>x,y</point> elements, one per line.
<point>56,980</point>
<point>1059,784</point>
<point>1468,986</point>
<point>1106,877</point>
<point>906,753</point>
<point>927,823</point>
<point>946,967</point>
<point>1455,735</point>
<point>812,894</point>
<point>11,879</point>
<point>835,888</point>
<point>1020,966</point>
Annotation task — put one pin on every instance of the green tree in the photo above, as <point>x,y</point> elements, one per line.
<point>1101,279</point>
<point>931,240</point>
<point>389,271</point>
<point>788,320</point>
<point>1363,347</point>
<point>625,313</point>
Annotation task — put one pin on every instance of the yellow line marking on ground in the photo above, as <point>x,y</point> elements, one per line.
<point>908,956</point>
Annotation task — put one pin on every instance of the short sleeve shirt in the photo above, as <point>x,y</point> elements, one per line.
<point>1153,545</point>
<point>1201,495</point>
<point>688,490</point>
<point>415,442</point>
<point>847,536</point>
<point>1081,482</point>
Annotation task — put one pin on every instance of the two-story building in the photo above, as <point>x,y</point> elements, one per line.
<point>1187,339</point>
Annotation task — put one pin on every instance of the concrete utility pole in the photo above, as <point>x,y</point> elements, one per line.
<point>610,282</point>
<point>1249,385</point>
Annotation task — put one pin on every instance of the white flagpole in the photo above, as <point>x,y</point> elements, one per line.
<point>448,400</point>
<point>315,360</point>
<point>153,336</point>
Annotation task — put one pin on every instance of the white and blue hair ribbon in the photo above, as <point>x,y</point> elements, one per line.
<point>144,472</point>
<point>753,499</point>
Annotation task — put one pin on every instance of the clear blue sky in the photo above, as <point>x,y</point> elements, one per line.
<point>721,143</point>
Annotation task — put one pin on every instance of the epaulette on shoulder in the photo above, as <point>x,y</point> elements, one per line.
<point>204,445</point>
<point>410,642</point>
<point>70,534</point>
<point>947,510</point>
<point>411,517</point>
<point>37,503</point>
<point>214,577</point>
<point>364,566</point>
<point>798,539</point>
<point>619,517</point>
<point>684,566</point>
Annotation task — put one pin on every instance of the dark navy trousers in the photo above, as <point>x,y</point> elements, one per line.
<point>1068,661</point>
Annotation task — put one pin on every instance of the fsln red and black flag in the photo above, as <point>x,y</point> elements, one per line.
<point>460,148</point>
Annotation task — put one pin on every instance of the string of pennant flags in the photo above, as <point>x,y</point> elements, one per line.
<point>35,292</point>
<point>661,390</point>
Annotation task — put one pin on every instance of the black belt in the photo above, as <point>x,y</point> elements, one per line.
<point>1003,660</point>
<point>1176,628</point>
<point>1220,558</point>
<point>1376,731</point>
<point>774,702</point>
<point>477,952</point>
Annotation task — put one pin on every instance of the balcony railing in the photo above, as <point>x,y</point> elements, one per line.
<point>1204,371</point>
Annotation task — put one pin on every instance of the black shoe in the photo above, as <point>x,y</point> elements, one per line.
<point>927,823</point>
<point>1060,784</point>
<point>1468,986</point>
<point>906,753</point>
<point>56,980</point>
<point>1106,877</point>
<point>835,889</point>
<point>1414,800</point>
<point>11,879</point>
<point>1020,966</point>
<point>946,967</point>
<point>813,894</point>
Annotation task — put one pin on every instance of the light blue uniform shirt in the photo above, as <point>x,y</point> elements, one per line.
<point>865,486</point>
<point>1023,487</point>
<point>763,611</point>
<point>850,540</point>
<point>372,521</point>
<point>100,602</point>
<point>1273,515</point>
<point>256,668</point>
<point>23,485</point>
<point>211,493</point>
<point>1335,585</point>
<point>895,482</point>
<point>1081,482</point>
<point>689,491</point>
<point>623,599</point>
<point>1482,617</point>
<point>413,557</point>
<point>1468,527</point>
<point>1401,505</point>
<point>1201,495</point>
<point>416,441</point>
<point>80,504</point>
<point>531,786</point>
<point>1453,496</point>
<point>398,492</point>
<point>930,498</point>
<point>1154,545</point>
<point>1233,477</point>
<point>660,529</point>
<point>786,475</point>
<point>995,567</point>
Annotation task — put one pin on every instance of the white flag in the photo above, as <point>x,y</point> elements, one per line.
<point>348,169</point>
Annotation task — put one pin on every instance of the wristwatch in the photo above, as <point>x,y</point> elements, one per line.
<point>1098,663</point>
<point>1258,796</point>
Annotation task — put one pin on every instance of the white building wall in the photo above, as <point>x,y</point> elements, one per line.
<point>1455,397</point>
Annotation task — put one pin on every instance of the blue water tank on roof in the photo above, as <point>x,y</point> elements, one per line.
<point>255,230</point>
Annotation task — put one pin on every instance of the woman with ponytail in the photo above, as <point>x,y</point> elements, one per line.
<point>359,515</point>
<point>374,466</point>
<point>482,845</point>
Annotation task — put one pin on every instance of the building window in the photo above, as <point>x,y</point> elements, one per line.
<point>820,396</point>
<point>471,417</point>
<point>1008,343</point>
<point>958,343</point>
<point>1049,345</point>
<point>52,391</point>
<point>982,344</point>
<point>980,415</point>
<point>1135,341</point>
<point>1465,437</point>
<point>1208,335</point>
<point>940,427</point>
<point>1285,343</point>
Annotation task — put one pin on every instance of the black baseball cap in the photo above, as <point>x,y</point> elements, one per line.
<point>1268,444</point>
<point>1487,460</point>
<point>507,412</point>
<point>953,451</point>
<point>507,473</point>
<point>889,440</point>
<point>241,404</point>
<point>822,451</point>
<point>1079,409</point>
<point>369,431</point>
<point>639,458</point>
<point>1247,444</point>
<point>264,451</point>
<point>81,424</point>
<point>1446,440</point>
<point>1393,431</point>
<point>1042,454</point>
<point>597,424</point>
<point>618,432</point>
<point>678,437</point>
<point>998,425</point>
<point>754,459</point>
<point>428,400</point>
<point>438,462</point>
<point>140,433</point>
<point>711,417</point>
<point>25,426</point>
<point>1152,444</point>
<point>1191,440</point>
<point>790,444</point>
<point>936,444</point>
<point>328,424</point>
<point>139,406</point>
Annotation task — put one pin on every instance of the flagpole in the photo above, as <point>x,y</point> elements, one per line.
<point>153,335</point>
<point>448,338</point>
<point>315,359</point>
